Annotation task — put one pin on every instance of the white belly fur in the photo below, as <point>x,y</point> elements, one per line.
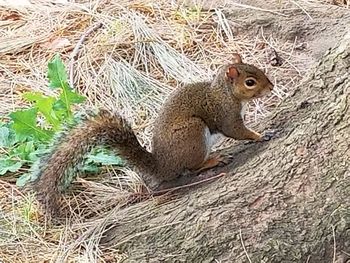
<point>244,106</point>
<point>210,139</point>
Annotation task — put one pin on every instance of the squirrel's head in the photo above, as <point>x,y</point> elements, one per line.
<point>247,81</point>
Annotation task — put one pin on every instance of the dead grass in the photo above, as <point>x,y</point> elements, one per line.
<point>142,52</point>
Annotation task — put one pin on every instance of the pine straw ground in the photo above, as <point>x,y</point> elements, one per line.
<point>136,54</point>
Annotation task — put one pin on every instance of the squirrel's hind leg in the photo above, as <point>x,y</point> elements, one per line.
<point>210,163</point>
<point>184,147</point>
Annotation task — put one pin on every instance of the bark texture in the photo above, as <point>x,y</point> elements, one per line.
<point>286,200</point>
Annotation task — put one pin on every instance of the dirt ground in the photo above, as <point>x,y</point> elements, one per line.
<point>313,30</point>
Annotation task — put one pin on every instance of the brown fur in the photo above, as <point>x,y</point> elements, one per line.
<point>180,134</point>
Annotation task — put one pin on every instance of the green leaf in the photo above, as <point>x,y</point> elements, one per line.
<point>24,124</point>
<point>105,158</point>
<point>69,97</point>
<point>7,136</point>
<point>4,136</point>
<point>73,97</point>
<point>98,157</point>
<point>58,79</point>
<point>57,74</point>
<point>8,165</point>
<point>41,150</point>
<point>66,99</point>
<point>24,150</point>
<point>45,106</point>
<point>23,179</point>
<point>89,168</point>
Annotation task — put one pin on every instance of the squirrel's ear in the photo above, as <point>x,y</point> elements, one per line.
<point>232,72</point>
<point>236,58</point>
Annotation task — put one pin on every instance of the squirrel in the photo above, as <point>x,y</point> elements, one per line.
<point>181,133</point>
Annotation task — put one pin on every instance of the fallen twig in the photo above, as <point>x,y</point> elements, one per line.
<point>76,49</point>
<point>138,197</point>
<point>245,250</point>
<point>156,193</point>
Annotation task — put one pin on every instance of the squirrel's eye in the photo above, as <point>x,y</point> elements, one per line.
<point>250,82</point>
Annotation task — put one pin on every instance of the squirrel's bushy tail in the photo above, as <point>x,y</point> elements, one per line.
<point>105,129</point>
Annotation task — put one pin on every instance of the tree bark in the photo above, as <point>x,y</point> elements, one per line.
<point>285,200</point>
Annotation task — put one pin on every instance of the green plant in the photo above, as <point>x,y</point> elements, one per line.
<point>28,133</point>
